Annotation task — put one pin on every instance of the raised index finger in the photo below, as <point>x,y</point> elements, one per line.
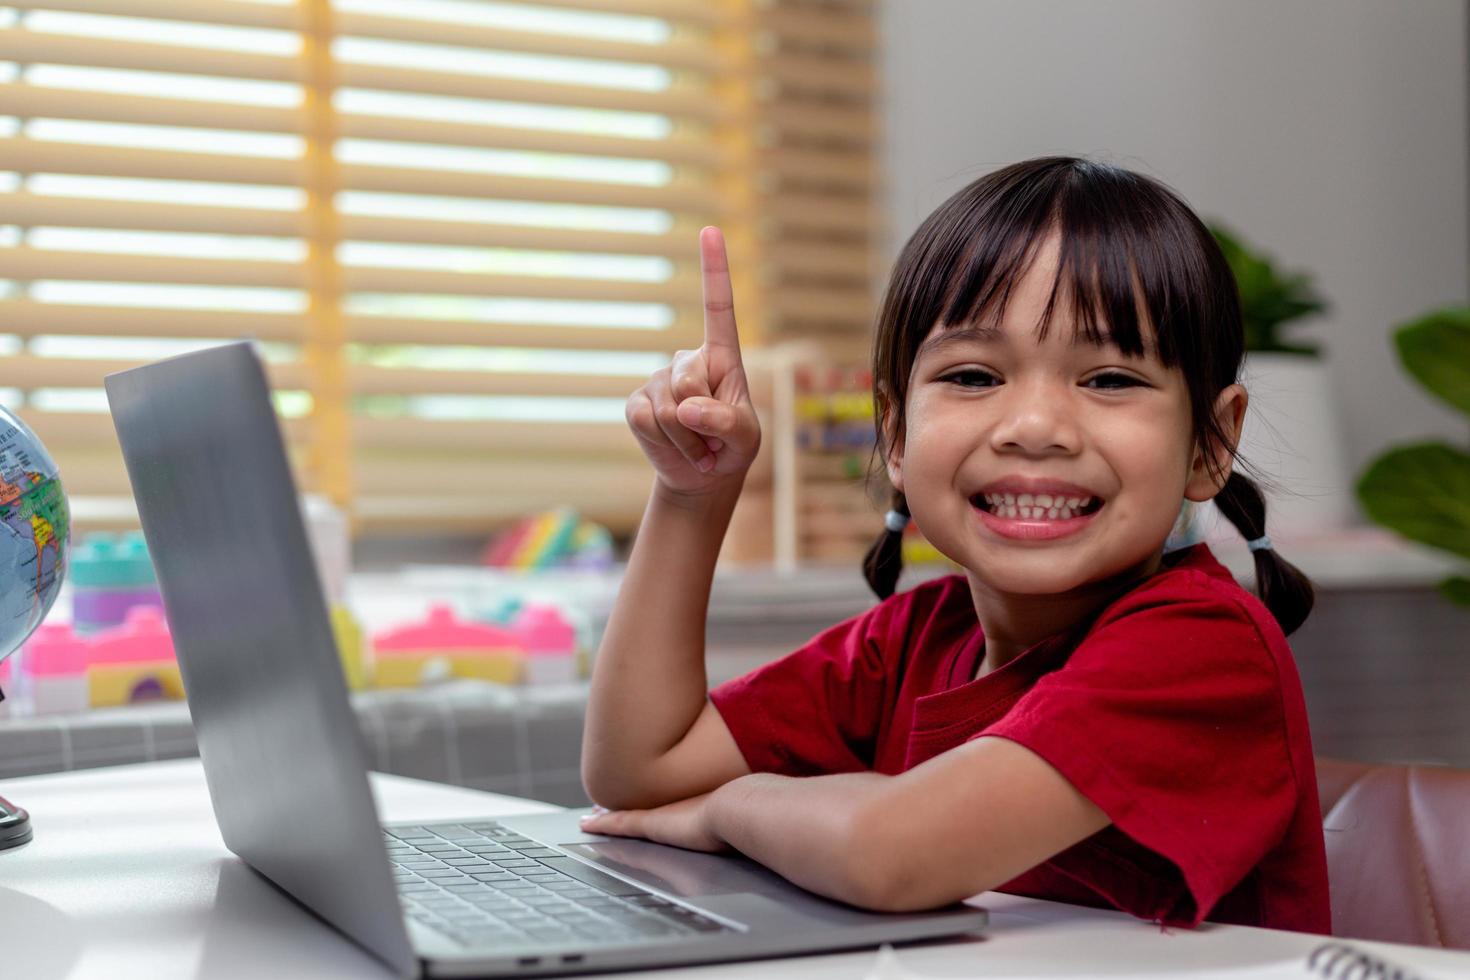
<point>719,299</point>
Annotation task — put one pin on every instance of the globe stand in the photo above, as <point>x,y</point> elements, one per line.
<point>15,823</point>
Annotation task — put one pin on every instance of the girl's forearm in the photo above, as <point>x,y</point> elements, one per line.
<point>813,831</point>
<point>648,680</point>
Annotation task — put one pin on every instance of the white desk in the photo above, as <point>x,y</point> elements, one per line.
<point>127,878</point>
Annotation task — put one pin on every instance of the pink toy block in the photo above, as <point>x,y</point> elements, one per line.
<point>143,638</point>
<point>55,650</point>
<point>545,631</point>
<point>56,667</point>
<point>444,647</point>
<point>550,643</point>
<point>134,662</point>
<point>443,630</point>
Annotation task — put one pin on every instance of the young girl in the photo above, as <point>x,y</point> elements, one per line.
<point>1080,716</point>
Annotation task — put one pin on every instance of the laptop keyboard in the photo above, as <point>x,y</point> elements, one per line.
<point>481,884</point>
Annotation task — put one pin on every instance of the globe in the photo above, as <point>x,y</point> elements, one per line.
<point>34,529</point>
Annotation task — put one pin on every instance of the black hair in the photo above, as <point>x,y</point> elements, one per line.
<point>1126,241</point>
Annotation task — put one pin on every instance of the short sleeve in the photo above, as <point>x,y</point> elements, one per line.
<point>1169,716</point>
<point>817,709</point>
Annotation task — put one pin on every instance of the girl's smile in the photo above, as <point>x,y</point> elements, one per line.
<point>1030,510</point>
<point>1049,522</point>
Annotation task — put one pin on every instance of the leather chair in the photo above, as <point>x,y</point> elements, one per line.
<point>1398,851</point>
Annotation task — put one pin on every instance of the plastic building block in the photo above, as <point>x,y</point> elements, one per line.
<point>110,575</point>
<point>134,662</point>
<point>556,538</point>
<point>443,647</point>
<point>550,643</point>
<point>109,561</point>
<point>55,663</point>
<point>356,668</point>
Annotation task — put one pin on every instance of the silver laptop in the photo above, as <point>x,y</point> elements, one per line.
<point>287,768</point>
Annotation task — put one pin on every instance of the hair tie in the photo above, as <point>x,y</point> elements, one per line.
<point>895,521</point>
<point>1262,543</point>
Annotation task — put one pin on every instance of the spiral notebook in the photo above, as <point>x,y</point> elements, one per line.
<point>1329,961</point>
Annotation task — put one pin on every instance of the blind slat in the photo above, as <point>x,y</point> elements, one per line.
<point>830,28</point>
<point>95,429</point>
<point>676,53</point>
<point>31,263</point>
<point>593,439</point>
<point>844,78</point>
<point>815,215</point>
<point>29,101</point>
<point>820,122</point>
<point>28,318</point>
<point>686,332</point>
<point>849,172</point>
<point>33,47</point>
<point>29,210</point>
<point>31,319</point>
<point>45,156</point>
<point>367,380</point>
<point>32,371</point>
<point>225,13</point>
<point>695,105</point>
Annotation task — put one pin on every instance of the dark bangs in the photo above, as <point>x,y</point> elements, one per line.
<point>1129,246</point>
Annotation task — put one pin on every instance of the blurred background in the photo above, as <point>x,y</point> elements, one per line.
<point>464,232</point>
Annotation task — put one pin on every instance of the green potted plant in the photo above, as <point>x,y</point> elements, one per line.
<point>1268,298</point>
<point>1422,490</point>
<point>1291,435</point>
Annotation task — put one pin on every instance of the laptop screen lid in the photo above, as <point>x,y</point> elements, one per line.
<point>282,752</point>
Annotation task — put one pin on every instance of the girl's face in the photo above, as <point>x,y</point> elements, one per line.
<point>1000,413</point>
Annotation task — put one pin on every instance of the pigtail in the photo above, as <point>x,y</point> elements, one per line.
<point>1285,590</point>
<point>884,561</point>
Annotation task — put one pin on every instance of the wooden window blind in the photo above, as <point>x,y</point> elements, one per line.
<point>463,232</point>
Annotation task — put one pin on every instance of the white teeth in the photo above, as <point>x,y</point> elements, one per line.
<point>1036,507</point>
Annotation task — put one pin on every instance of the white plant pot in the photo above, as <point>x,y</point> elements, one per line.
<point>1291,436</point>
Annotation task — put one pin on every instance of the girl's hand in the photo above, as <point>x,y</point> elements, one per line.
<point>683,824</point>
<point>693,419</point>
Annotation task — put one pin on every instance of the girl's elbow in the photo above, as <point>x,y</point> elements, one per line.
<point>903,891</point>
<point>610,789</point>
<point>888,873</point>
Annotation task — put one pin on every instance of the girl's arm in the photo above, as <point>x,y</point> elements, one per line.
<point>651,735</point>
<point>962,823</point>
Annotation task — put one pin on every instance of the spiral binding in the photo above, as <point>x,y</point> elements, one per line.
<point>1339,961</point>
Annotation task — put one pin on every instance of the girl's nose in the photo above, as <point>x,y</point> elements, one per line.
<point>1036,419</point>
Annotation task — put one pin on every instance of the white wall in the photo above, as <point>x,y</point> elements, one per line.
<point>1331,133</point>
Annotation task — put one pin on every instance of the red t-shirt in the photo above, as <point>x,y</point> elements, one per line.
<point>1177,710</point>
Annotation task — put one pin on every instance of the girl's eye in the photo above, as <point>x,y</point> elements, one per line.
<point>1118,380</point>
<point>959,377</point>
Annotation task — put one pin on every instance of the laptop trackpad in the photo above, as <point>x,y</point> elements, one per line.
<point>688,874</point>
